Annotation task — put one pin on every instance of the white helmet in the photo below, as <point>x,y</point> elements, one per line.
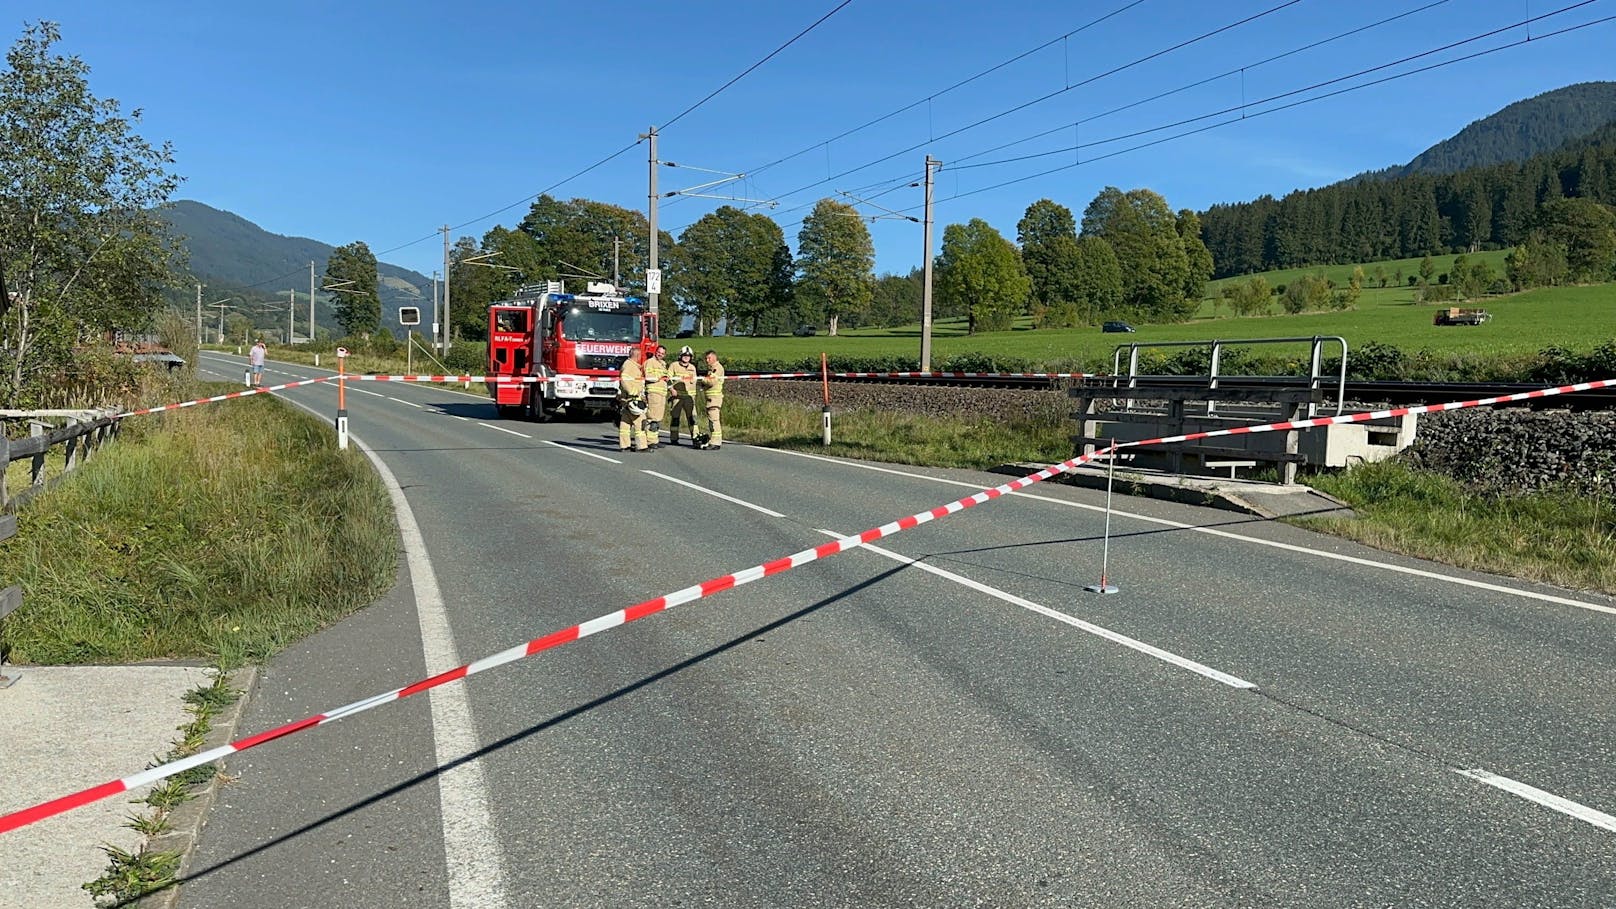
<point>686,351</point>
<point>636,406</point>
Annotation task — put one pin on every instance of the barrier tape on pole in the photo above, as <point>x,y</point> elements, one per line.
<point>707,588</point>
<point>912,375</point>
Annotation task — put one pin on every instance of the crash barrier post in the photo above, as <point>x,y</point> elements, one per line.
<point>659,604</point>
<point>824,413</point>
<point>85,433</point>
<point>342,398</point>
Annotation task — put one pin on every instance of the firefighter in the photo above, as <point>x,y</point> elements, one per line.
<point>631,402</point>
<point>656,394</point>
<point>712,386</point>
<point>682,385</point>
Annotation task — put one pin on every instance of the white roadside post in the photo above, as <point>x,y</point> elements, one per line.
<point>342,399</point>
<point>1105,586</point>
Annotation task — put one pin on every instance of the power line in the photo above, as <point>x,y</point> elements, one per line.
<point>960,84</point>
<point>957,165</point>
<point>1060,91</point>
<point>1246,105</point>
<point>1298,103</point>
<point>1249,115</point>
<point>754,66</point>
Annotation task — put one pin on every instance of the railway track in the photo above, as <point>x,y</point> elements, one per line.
<point>1372,392</point>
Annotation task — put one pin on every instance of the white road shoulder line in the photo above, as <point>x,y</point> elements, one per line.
<point>472,850</point>
<point>404,402</point>
<point>503,429</point>
<point>1547,799</point>
<point>1115,637</point>
<point>576,450</point>
<point>1273,544</point>
<point>715,494</point>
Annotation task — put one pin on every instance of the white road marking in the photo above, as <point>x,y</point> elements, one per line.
<point>225,358</point>
<point>576,450</point>
<point>1288,547</point>
<point>371,393</point>
<point>475,861</point>
<point>1117,638</point>
<point>404,402</point>
<point>715,494</point>
<point>503,429</point>
<point>1547,799</point>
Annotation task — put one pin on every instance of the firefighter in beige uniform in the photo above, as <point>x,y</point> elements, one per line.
<point>712,386</point>
<point>682,385</point>
<point>656,394</point>
<point>630,391</point>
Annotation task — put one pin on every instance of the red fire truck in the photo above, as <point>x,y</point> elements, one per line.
<point>574,341</point>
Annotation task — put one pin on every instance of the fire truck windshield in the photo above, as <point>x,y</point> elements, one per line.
<point>589,325</point>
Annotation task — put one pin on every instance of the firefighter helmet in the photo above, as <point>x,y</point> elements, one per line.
<point>635,406</point>
<point>686,351</point>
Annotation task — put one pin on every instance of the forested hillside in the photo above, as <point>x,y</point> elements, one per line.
<point>1520,131</point>
<point>1480,208</point>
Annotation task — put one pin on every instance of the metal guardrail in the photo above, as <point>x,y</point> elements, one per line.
<point>84,434</point>
<point>1314,379</point>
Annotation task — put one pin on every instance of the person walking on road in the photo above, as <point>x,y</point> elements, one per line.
<point>255,362</point>
<point>712,386</point>
<point>656,394</point>
<point>631,402</point>
<point>682,387</point>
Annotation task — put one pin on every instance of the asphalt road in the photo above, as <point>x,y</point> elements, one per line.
<point>1261,717</point>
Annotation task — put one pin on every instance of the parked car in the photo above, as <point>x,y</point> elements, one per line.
<point>1116,327</point>
<point>805,331</point>
<point>685,333</point>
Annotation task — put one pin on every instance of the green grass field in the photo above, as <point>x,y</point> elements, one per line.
<point>1575,318</point>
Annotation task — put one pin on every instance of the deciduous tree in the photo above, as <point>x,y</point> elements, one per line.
<point>356,306</point>
<point>1143,232</point>
<point>82,248</point>
<point>982,271</point>
<point>835,259</point>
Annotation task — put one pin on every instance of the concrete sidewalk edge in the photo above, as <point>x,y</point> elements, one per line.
<point>187,820</point>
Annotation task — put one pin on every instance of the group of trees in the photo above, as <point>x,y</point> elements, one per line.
<point>1134,257</point>
<point>83,252</point>
<point>1494,207</point>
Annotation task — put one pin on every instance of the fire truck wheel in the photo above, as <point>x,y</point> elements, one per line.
<point>539,413</point>
<point>509,411</point>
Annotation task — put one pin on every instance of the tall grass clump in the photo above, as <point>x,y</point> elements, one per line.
<point>1559,536</point>
<point>234,528</point>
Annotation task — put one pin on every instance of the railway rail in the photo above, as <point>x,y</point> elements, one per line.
<point>1387,392</point>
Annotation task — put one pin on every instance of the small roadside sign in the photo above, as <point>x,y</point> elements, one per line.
<point>653,280</point>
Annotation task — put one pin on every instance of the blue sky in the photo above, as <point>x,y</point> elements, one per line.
<point>381,121</point>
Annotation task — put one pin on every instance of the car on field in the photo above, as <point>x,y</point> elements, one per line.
<point>805,331</point>
<point>1116,326</point>
<point>685,333</point>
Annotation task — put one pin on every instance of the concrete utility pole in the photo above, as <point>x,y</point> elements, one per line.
<point>925,293</point>
<point>448,335</point>
<point>311,301</point>
<point>435,311</point>
<point>617,267</point>
<point>652,213</point>
<point>199,315</point>
<point>291,313</point>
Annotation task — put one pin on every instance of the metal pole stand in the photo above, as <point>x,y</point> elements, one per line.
<point>824,412</point>
<point>1105,552</point>
<point>342,399</point>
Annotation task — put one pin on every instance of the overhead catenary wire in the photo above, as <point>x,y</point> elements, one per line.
<point>1248,114</point>
<point>1138,61</point>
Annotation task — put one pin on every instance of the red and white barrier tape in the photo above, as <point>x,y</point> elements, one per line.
<point>707,588</point>
<point>248,392</point>
<point>912,375</point>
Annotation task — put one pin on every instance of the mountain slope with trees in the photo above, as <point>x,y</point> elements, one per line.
<point>1530,127</point>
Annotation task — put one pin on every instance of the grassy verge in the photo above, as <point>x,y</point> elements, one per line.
<point>225,532</point>
<point>1560,538</point>
<point>898,437</point>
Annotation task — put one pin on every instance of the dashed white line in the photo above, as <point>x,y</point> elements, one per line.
<point>1547,799</point>
<point>404,402</point>
<point>576,450</point>
<point>1274,544</point>
<point>503,429</point>
<point>715,494</point>
<point>1115,637</point>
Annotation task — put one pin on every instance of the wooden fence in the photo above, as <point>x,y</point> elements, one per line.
<point>84,434</point>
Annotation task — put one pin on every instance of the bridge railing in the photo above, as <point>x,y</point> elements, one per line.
<point>84,433</point>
